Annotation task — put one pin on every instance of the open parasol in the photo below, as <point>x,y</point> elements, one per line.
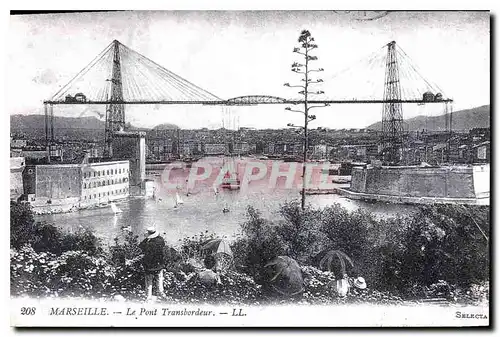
<point>216,246</point>
<point>285,275</point>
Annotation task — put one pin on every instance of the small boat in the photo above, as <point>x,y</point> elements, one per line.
<point>115,209</point>
<point>178,199</point>
<point>127,228</point>
<point>230,183</point>
<point>225,210</point>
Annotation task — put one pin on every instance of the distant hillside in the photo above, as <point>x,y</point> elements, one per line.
<point>166,126</point>
<point>461,120</point>
<point>22,122</point>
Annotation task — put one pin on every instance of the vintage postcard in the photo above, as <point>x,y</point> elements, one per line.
<point>249,168</point>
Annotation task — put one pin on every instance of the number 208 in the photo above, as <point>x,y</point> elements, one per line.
<point>28,310</point>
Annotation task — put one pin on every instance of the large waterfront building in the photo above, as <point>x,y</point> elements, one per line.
<point>216,149</point>
<point>66,186</point>
<point>105,181</point>
<point>17,166</point>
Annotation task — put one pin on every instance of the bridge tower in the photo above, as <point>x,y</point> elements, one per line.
<point>392,111</point>
<point>115,109</point>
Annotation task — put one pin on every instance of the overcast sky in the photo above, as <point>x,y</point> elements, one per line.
<point>245,53</point>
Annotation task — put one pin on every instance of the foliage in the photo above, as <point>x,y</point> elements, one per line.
<point>22,225</point>
<point>126,258</point>
<point>235,288</point>
<point>46,237</point>
<point>301,232</point>
<point>74,273</point>
<point>127,251</point>
<point>437,251</point>
<point>83,239</point>
<point>347,231</point>
<point>442,243</point>
<point>320,289</point>
<point>190,247</point>
<point>260,243</point>
<point>403,254</point>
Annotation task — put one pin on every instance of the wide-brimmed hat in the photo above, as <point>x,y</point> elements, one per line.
<point>360,283</point>
<point>151,232</point>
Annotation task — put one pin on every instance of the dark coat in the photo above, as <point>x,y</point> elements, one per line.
<point>154,254</point>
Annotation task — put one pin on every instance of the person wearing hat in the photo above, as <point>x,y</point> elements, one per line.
<point>153,247</point>
<point>342,267</point>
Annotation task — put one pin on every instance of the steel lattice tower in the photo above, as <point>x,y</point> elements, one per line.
<point>392,113</point>
<point>115,112</point>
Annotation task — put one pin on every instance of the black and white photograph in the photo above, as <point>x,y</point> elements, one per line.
<point>249,168</point>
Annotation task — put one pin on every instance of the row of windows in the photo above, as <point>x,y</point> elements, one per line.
<point>98,195</point>
<point>105,182</point>
<point>107,172</point>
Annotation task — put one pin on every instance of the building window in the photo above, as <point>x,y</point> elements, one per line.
<point>116,171</point>
<point>94,173</point>
<point>99,195</point>
<point>84,185</point>
<point>94,196</point>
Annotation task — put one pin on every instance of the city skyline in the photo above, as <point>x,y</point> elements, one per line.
<point>242,53</point>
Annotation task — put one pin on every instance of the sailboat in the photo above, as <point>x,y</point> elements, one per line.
<point>178,199</point>
<point>229,182</point>
<point>115,208</point>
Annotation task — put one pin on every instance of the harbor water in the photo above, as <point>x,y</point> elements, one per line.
<point>202,212</point>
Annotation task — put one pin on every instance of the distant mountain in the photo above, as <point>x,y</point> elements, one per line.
<point>166,126</point>
<point>461,120</point>
<point>22,122</point>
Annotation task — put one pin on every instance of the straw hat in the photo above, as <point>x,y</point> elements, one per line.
<point>152,233</point>
<point>360,283</point>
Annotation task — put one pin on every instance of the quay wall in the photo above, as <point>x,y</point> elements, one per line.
<point>412,181</point>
